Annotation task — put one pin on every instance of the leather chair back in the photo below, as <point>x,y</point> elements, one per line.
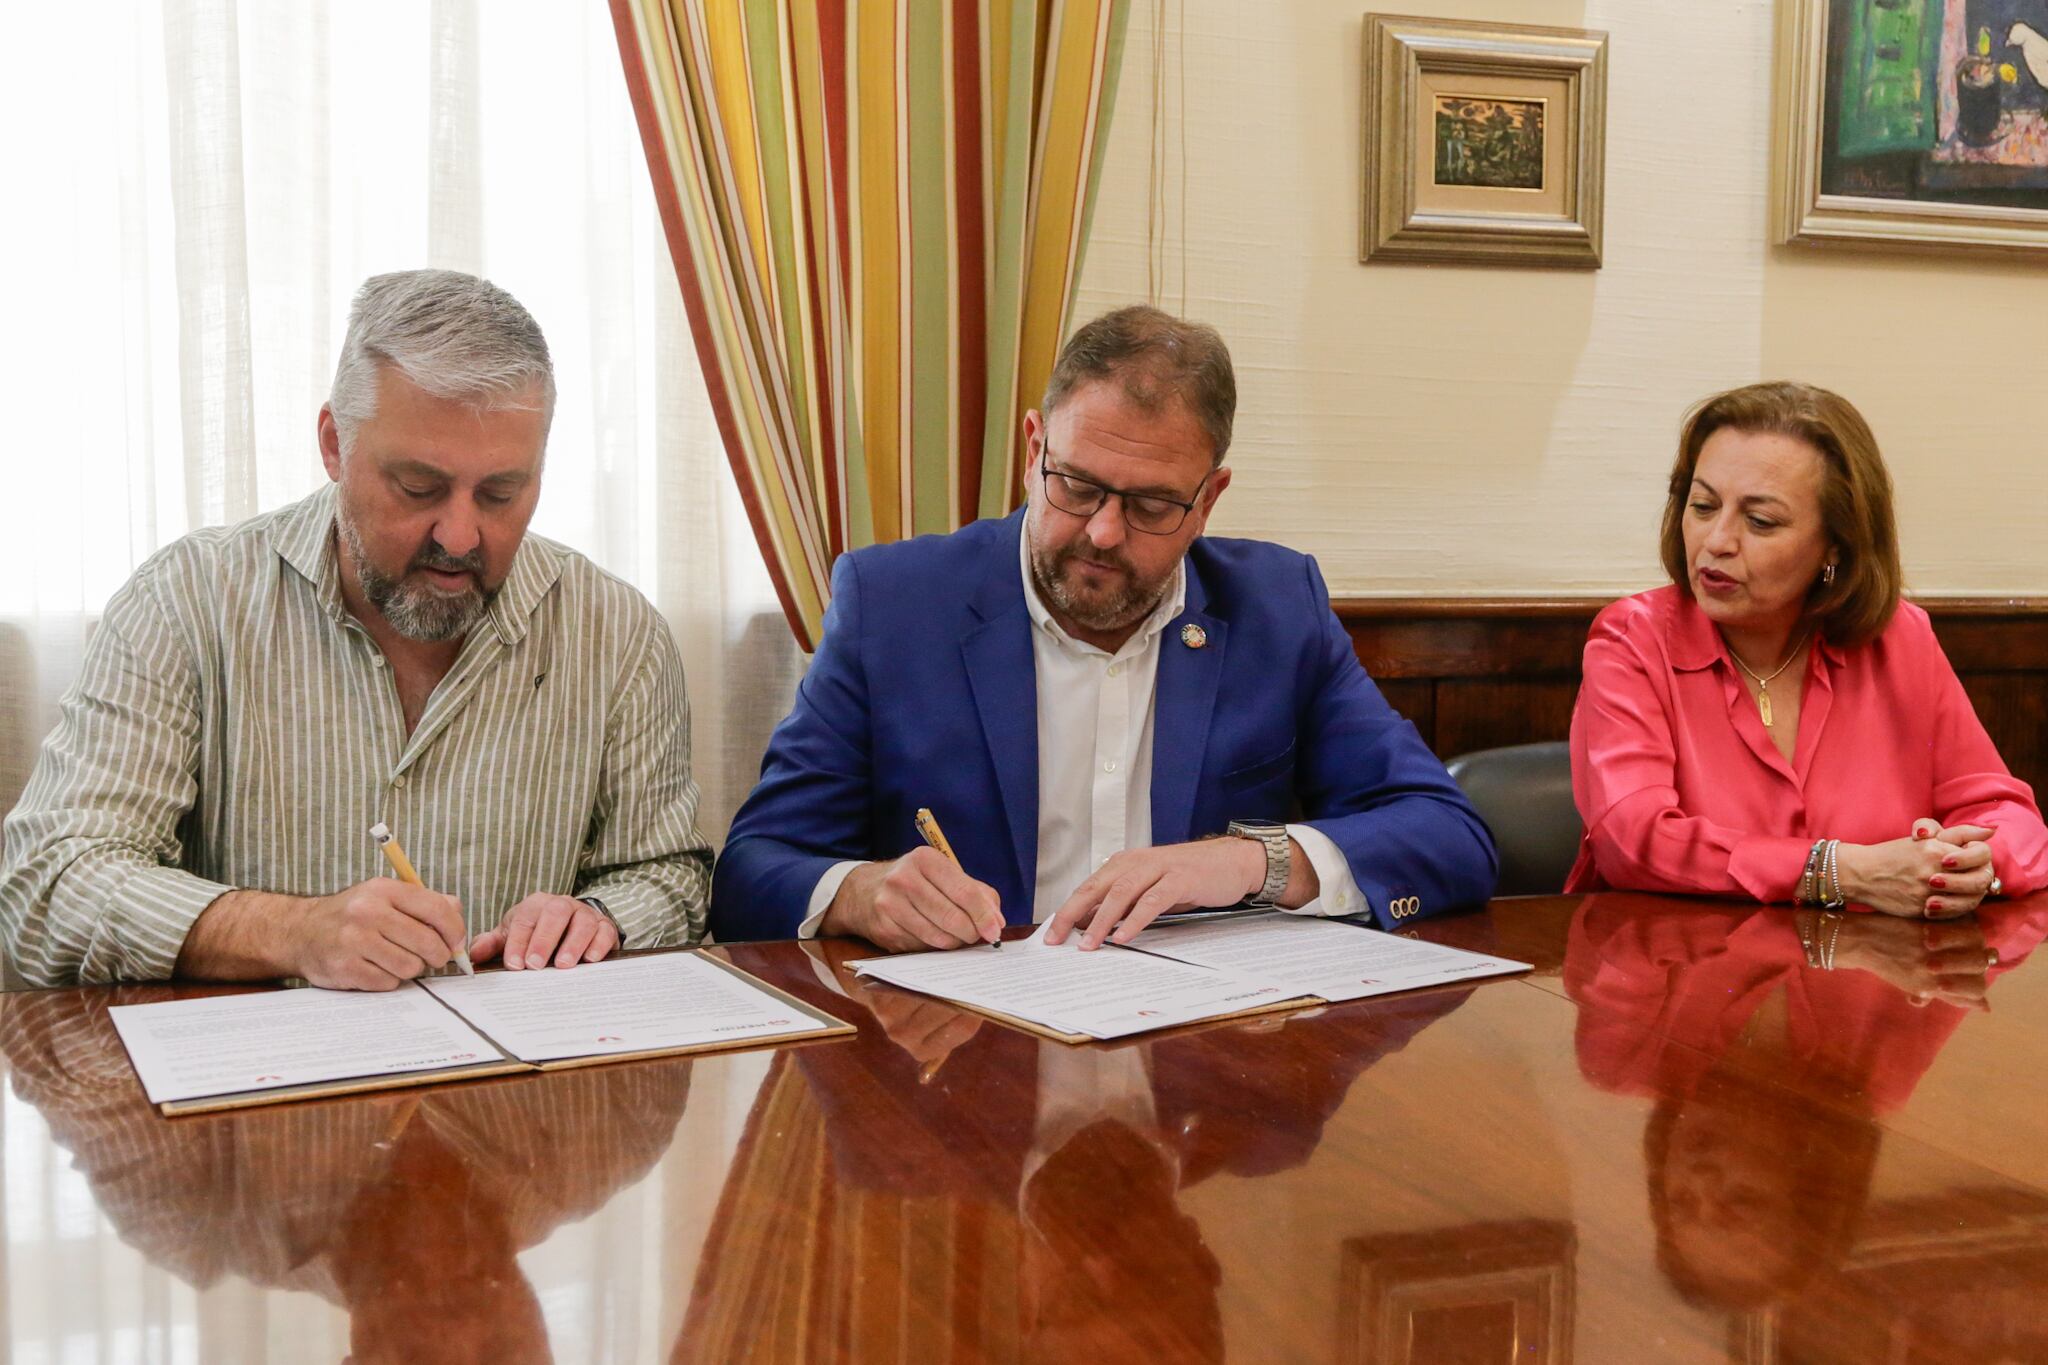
<point>1524,793</point>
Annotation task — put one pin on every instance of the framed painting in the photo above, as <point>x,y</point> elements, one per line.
<point>1918,123</point>
<point>1483,142</point>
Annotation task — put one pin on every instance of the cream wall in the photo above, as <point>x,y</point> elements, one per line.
<point>1436,429</point>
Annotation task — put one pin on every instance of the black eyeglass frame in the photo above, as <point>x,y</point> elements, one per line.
<point>1123,498</point>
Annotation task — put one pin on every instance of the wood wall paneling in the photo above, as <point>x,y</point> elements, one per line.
<point>1476,673</point>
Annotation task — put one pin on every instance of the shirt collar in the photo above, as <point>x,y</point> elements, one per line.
<point>1168,607</point>
<point>304,535</point>
<point>1693,643</point>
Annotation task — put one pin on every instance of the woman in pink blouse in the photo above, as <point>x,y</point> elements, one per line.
<point>1777,724</point>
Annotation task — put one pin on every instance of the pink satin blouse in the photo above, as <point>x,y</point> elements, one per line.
<point>1681,789</point>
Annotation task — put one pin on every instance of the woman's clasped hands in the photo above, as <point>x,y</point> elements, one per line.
<point>1936,872</point>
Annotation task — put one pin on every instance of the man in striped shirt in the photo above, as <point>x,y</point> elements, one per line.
<point>394,648</point>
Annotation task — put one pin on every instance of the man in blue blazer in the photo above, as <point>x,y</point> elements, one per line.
<point>1086,693</point>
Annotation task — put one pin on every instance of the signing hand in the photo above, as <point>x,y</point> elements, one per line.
<point>544,926</point>
<point>1135,887</point>
<point>375,935</point>
<point>921,900</point>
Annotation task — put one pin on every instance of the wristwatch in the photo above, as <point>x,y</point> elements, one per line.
<point>602,909</point>
<point>1279,857</point>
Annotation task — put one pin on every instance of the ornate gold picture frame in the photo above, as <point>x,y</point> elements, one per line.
<point>1906,123</point>
<point>1483,142</point>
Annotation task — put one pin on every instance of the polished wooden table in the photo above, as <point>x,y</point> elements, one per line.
<point>1673,1140</point>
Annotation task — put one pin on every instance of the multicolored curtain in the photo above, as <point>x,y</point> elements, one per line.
<point>876,209</point>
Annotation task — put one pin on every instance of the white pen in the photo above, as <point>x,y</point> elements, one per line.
<point>402,865</point>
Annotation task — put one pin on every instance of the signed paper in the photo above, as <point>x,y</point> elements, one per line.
<point>1109,993</point>
<point>1317,957</point>
<point>640,1004</point>
<point>186,1049</point>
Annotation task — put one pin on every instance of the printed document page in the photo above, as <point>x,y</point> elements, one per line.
<point>1109,993</point>
<point>193,1049</point>
<point>635,1004</point>
<point>1317,956</point>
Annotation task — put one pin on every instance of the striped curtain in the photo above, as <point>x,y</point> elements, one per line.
<point>876,209</point>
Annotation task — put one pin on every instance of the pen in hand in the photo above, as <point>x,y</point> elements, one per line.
<point>402,866</point>
<point>928,828</point>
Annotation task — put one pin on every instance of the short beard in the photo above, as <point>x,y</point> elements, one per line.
<point>419,611</point>
<point>1126,606</point>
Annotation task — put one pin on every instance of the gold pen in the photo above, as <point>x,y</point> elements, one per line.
<point>402,865</point>
<point>928,827</point>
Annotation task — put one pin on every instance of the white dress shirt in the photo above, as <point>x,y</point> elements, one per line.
<point>1095,761</point>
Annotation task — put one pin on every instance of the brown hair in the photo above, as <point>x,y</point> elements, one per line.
<point>1855,498</point>
<point>1154,356</point>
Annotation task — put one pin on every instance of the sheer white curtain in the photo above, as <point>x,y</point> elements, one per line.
<point>195,188</point>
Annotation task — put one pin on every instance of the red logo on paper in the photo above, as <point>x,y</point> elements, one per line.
<point>261,1079</point>
<point>609,1038</point>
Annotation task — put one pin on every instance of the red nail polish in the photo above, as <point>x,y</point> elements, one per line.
<point>1938,882</point>
<point>1936,905</point>
<point>1949,861</point>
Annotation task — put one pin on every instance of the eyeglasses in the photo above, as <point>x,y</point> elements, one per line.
<point>1148,512</point>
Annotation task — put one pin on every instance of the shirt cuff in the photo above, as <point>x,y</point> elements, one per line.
<point>644,915</point>
<point>821,898</point>
<point>150,918</point>
<point>1769,866</point>
<point>1340,894</point>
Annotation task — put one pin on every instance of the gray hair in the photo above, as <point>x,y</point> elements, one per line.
<point>1153,356</point>
<point>454,335</point>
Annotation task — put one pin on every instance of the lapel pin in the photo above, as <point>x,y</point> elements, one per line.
<point>1193,636</point>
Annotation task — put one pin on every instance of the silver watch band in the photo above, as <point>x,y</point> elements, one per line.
<point>1279,857</point>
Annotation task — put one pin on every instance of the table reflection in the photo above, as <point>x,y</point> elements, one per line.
<point>408,1209</point>
<point>966,1190</point>
<point>1768,1076</point>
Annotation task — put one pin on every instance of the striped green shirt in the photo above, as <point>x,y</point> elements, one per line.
<point>234,727</point>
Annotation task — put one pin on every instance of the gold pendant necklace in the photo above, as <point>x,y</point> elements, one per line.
<point>1763,682</point>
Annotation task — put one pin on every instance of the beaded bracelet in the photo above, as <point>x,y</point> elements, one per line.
<point>1809,880</point>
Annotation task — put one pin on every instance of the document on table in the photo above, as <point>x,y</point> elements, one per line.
<point>1111,992</point>
<point>663,1003</point>
<point>1319,957</point>
<point>221,1045</point>
<point>260,1048</point>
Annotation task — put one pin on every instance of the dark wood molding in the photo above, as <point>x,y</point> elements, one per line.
<point>1476,672</point>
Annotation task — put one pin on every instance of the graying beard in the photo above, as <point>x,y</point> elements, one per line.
<point>420,613</point>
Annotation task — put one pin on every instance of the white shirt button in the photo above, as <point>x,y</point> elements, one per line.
<point>1115,669</point>
<point>398,782</point>
<point>376,661</point>
<point>1109,766</point>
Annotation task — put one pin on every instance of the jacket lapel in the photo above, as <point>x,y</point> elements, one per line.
<point>1184,698</point>
<point>1004,677</point>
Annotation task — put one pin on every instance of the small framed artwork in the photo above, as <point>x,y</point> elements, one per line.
<point>1912,123</point>
<point>1489,1291</point>
<point>1483,142</point>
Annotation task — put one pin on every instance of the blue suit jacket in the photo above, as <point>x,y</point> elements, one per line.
<point>923,693</point>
